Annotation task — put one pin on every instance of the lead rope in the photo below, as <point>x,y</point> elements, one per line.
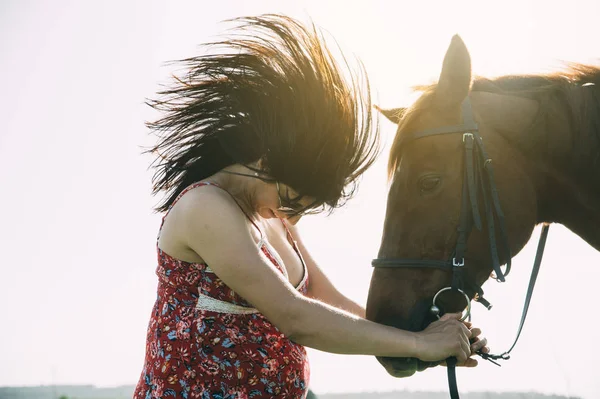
<point>451,362</point>
<point>452,384</point>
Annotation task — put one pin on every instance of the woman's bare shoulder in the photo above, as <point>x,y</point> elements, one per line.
<point>203,216</point>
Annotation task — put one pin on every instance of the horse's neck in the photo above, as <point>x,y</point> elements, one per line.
<point>564,152</point>
<point>576,173</point>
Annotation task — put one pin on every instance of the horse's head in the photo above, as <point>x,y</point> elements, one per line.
<point>428,168</point>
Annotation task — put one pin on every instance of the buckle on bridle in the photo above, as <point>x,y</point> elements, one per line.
<point>456,263</point>
<point>468,135</point>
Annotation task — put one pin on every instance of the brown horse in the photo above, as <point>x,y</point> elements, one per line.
<point>542,136</point>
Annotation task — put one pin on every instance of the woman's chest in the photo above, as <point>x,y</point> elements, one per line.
<point>284,251</point>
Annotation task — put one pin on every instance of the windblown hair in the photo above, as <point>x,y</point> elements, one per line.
<point>562,90</point>
<point>273,92</point>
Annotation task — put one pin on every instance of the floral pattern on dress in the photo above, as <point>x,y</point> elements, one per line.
<point>195,353</point>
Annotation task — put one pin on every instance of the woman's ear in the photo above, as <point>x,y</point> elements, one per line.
<point>261,164</point>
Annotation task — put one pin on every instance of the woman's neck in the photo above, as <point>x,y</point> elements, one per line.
<point>235,180</point>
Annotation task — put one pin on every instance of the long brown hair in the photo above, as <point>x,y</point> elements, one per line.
<point>271,91</point>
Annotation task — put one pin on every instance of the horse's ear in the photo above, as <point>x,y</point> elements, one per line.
<point>393,114</point>
<point>455,78</point>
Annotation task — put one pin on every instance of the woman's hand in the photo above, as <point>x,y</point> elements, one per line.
<point>477,343</point>
<point>450,337</point>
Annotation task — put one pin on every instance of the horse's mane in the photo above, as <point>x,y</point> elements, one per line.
<point>566,89</point>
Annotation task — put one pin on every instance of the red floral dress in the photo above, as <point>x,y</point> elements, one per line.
<point>205,341</point>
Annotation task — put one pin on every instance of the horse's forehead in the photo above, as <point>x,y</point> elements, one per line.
<point>420,118</point>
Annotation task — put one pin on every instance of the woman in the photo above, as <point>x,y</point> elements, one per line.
<point>254,137</point>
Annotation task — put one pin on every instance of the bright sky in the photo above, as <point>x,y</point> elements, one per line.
<point>77,243</point>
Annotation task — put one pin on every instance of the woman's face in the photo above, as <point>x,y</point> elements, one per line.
<point>272,200</point>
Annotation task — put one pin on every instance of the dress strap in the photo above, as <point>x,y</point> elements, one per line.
<point>206,183</point>
<point>294,244</point>
<point>262,236</point>
<point>289,235</point>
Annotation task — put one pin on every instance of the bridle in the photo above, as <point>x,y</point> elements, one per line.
<point>478,182</point>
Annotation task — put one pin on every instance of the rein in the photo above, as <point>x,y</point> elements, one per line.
<point>478,180</point>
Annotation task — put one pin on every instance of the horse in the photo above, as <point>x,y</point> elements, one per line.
<point>475,165</point>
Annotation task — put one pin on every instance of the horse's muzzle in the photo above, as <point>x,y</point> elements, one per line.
<point>402,367</point>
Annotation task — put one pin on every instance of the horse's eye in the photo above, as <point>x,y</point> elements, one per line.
<point>428,183</point>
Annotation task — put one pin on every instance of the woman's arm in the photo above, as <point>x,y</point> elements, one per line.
<point>320,286</point>
<point>216,229</point>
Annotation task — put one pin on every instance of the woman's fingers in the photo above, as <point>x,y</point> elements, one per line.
<point>449,316</point>
<point>468,333</point>
<point>470,363</point>
<point>464,350</point>
<point>475,332</point>
<point>480,344</point>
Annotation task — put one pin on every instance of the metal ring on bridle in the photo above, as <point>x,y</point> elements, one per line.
<point>467,314</point>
